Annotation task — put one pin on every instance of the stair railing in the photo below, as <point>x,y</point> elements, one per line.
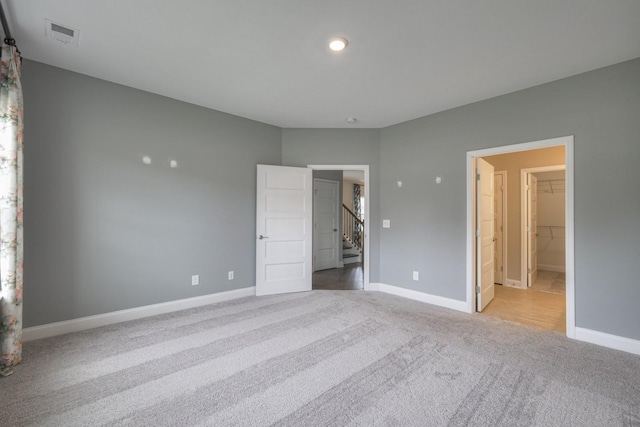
<point>352,228</point>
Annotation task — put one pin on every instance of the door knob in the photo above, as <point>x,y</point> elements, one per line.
<point>262,237</point>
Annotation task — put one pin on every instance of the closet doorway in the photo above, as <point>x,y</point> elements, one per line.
<point>543,218</point>
<point>537,283</point>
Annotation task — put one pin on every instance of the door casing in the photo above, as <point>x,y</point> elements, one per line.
<point>367,197</point>
<point>524,220</point>
<point>567,143</point>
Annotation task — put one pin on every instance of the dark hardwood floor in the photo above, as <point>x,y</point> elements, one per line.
<point>350,277</point>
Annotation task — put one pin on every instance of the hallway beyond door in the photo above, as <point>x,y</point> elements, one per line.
<point>349,278</point>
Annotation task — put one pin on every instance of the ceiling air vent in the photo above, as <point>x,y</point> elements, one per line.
<point>61,33</point>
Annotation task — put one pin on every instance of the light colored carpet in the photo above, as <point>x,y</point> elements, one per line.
<point>322,358</point>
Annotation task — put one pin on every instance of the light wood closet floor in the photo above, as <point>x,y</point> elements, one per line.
<point>540,309</point>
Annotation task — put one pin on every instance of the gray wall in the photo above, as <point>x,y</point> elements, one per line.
<point>428,223</point>
<point>105,232</point>
<point>301,147</point>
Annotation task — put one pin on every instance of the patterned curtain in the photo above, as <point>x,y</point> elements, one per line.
<point>357,232</point>
<point>356,200</point>
<point>10,210</point>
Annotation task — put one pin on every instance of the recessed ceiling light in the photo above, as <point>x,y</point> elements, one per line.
<point>337,44</point>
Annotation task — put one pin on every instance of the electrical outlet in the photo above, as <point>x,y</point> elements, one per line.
<point>231,275</point>
<point>416,275</point>
<point>195,280</point>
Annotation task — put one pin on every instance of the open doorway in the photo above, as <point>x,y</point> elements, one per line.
<point>538,297</point>
<point>342,221</point>
<point>535,290</point>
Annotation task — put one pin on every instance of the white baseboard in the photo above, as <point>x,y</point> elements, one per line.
<point>422,297</point>
<point>607,340</point>
<point>513,283</point>
<point>373,287</point>
<point>83,323</point>
<point>549,267</point>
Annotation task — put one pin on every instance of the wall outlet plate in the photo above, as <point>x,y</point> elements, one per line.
<point>231,275</point>
<point>416,275</point>
<point>195,280</point>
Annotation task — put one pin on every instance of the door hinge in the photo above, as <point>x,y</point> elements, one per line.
<point>528,270</point>
<point>501,269</point>
<point>477,233</point>
<point>477,289</point>
<point>477,177</point>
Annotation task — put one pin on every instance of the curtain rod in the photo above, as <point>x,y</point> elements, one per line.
<point>5,26</point>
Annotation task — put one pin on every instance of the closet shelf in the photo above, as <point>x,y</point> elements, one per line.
<point>551,186</point>
<point>551,234</point>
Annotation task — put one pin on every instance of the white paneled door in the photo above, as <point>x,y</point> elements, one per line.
<point>326,218</point>
<point>283,229</point>
<point>485,234</point>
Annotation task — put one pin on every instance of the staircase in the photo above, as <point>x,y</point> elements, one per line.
<point>352,237</point>
<point>350,254</point>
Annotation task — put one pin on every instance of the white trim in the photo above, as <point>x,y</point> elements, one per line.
<point>374,287</point>
<point>549,267</point>
<point>567,142</point>
<point>471,233</point>
<point>423,297</point>
<point>570,240</point>
<point>89,322</point>
<point>607,340</point>
<point>367,214</point>
<point>524,212</point>
<point>514,284</point>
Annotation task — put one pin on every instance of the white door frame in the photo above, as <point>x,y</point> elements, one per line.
<point>367,216</point>
<point>567,142</point>
<point>503,173</point>
<point>524,220</point>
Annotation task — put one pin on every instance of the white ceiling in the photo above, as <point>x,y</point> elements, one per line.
<point>355,176</point>
<point>269,60</point>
